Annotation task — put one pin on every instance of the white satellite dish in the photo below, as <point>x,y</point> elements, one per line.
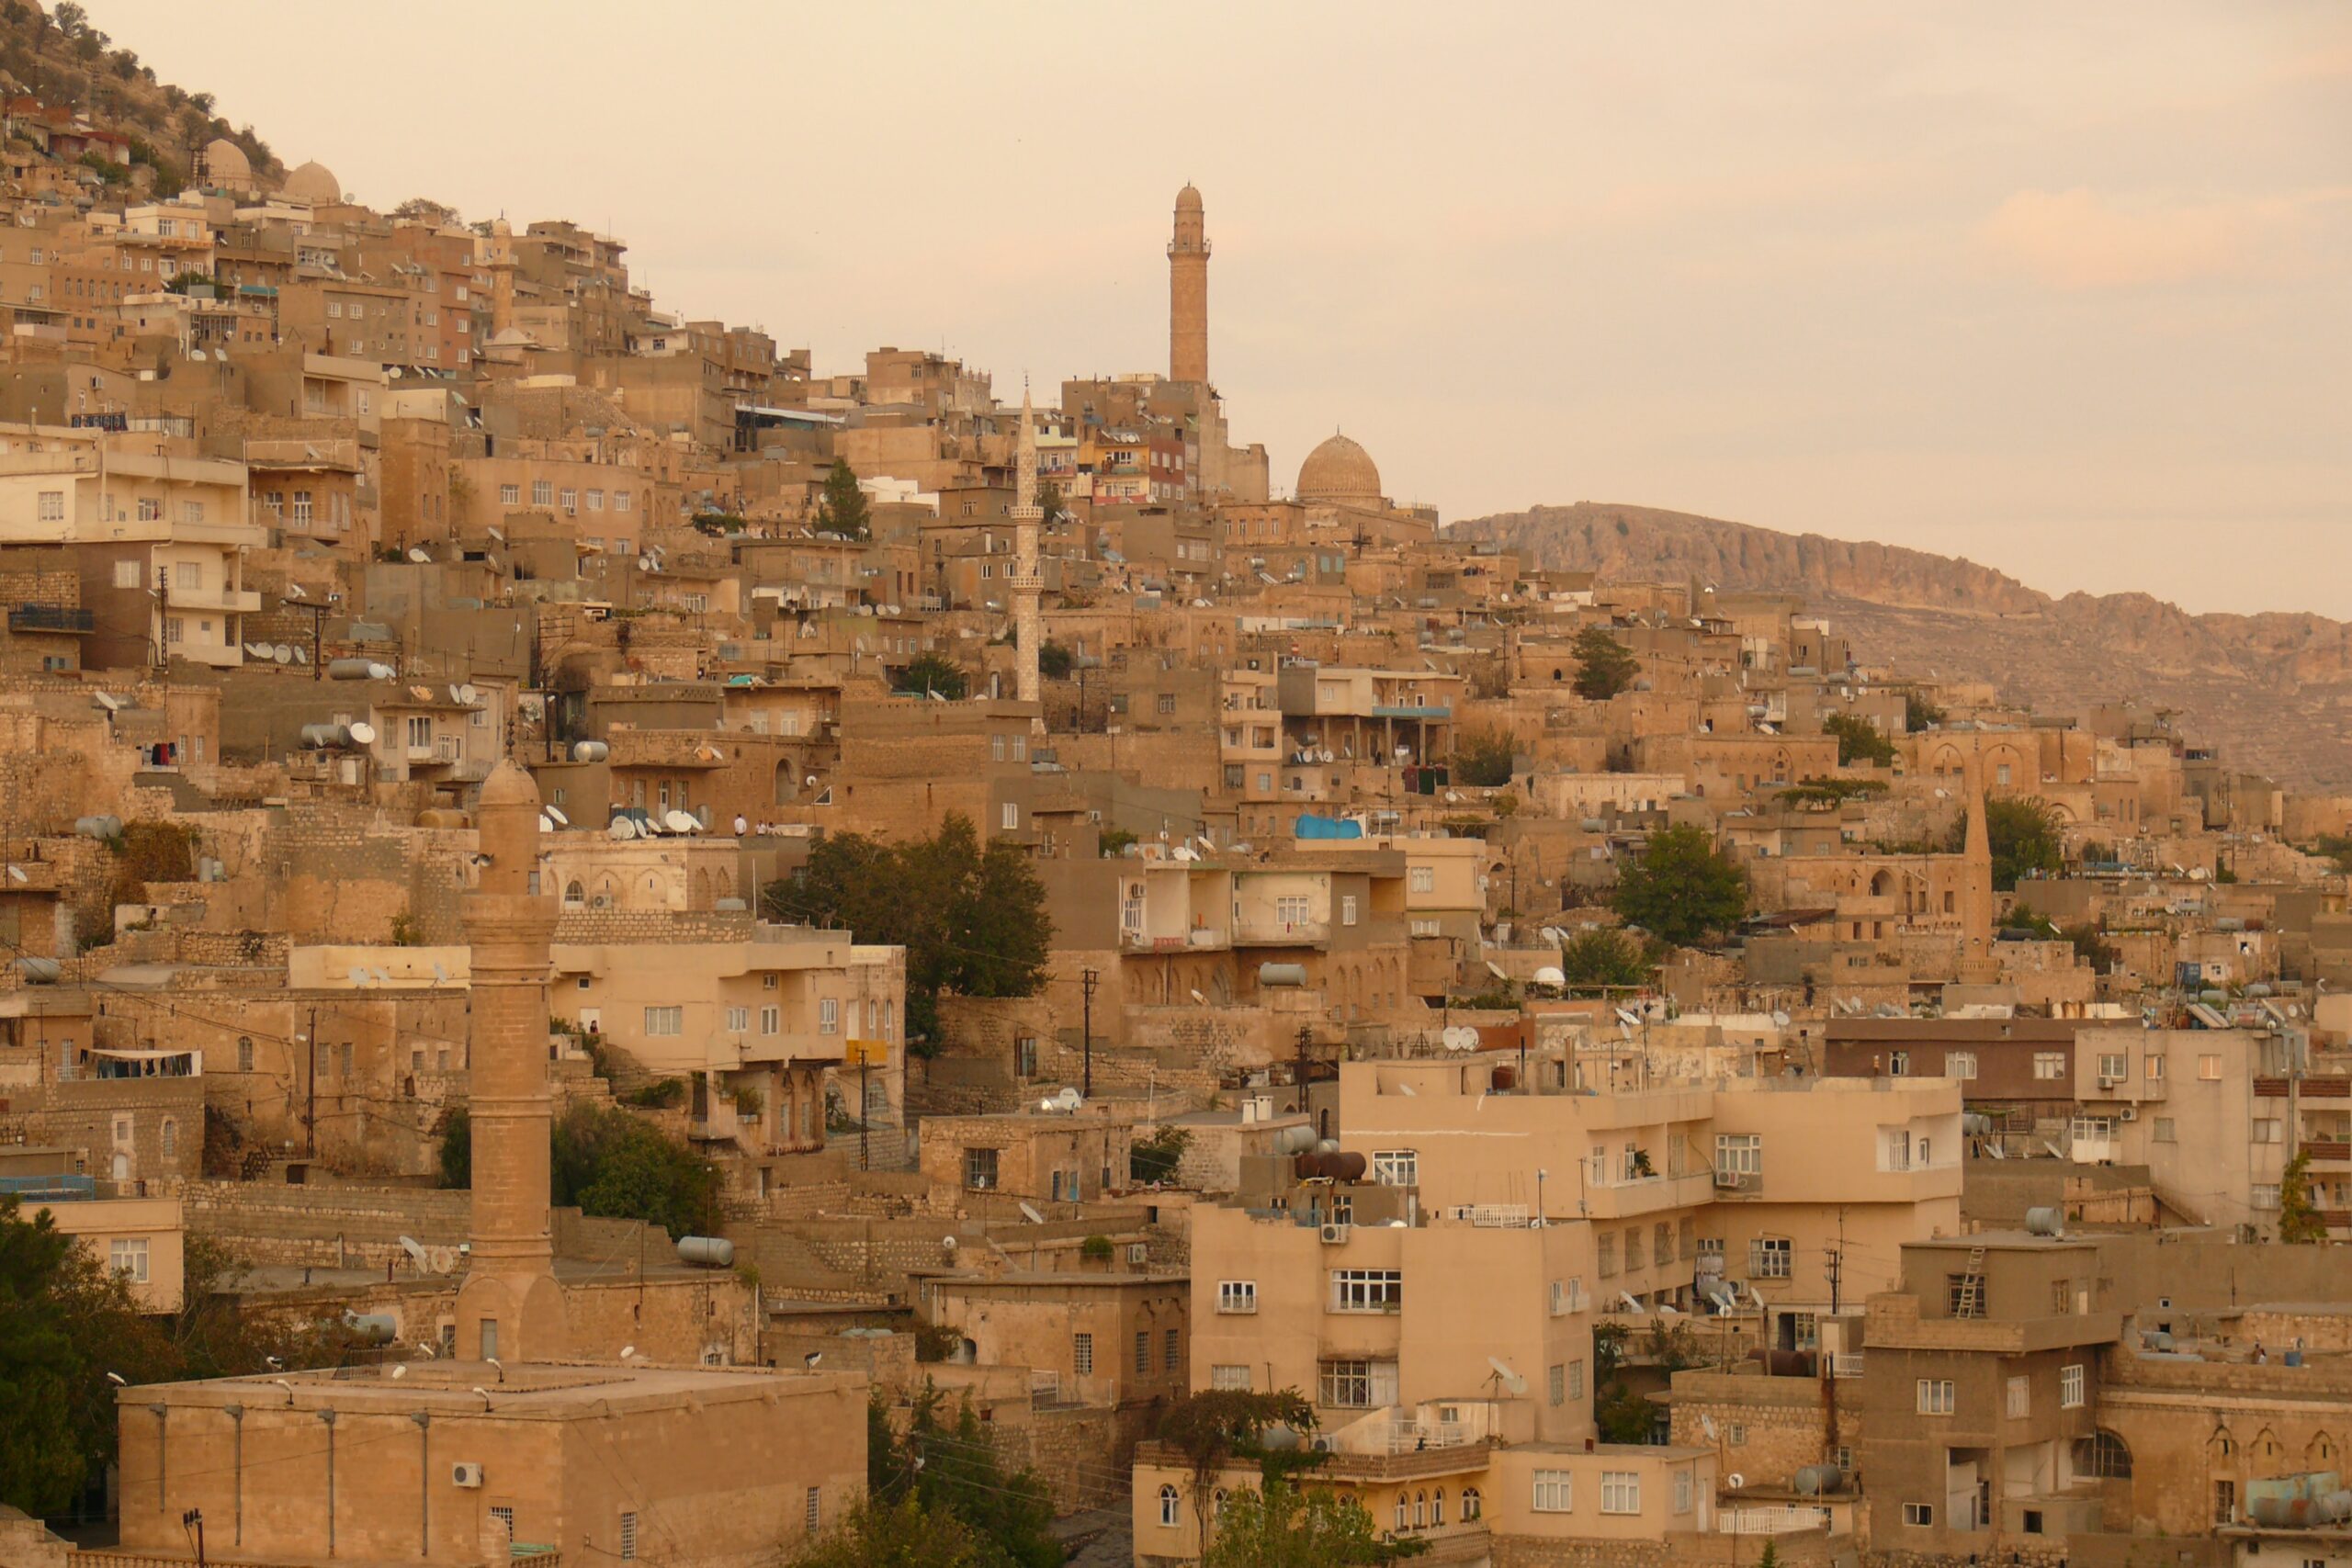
<point>196,355</point>
<point>1548,975</point>
<point>1780,1018</point>
<point>1198,999</point>
<point>621,829</point>
<point>283,653</point>
<point>547,823</point>
<point>257,650</point>
<point>1030,1214</point>
<point>301,654</point>
<point>468,695</point>
<point>1509,1379</point>
<point>679,822</point>
<point>419,554</point>
<point>561,820</point>
<point>362,732</point>
<point>294,590</point>
<point>1735,1481</point>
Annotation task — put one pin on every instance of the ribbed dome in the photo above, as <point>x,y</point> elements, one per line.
<point>1339,470</point>
<point>509,785</point>
<point>313,182</point>
<point>224,160</point>
<point>1188,200</point>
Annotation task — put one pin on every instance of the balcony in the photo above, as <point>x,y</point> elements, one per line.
<point>230,601</point>
<point>2327,1151</point>
<point>1283,933</point>
<point>50,618</point>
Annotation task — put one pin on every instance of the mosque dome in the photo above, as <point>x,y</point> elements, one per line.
<point>1339,470</point>
<point>225,162</point>
<point>315,184</point>
<point>1188,200</point>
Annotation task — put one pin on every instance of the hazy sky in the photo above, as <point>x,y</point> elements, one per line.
<point>2066,290</point>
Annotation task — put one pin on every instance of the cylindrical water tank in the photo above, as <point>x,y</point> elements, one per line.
<point>2332,1508</point>
<point>2273,1511</point>
<point>1815,1480</point>
<point>1506,1077</point>
<point>1345,1166</point>
<point>322,736</point>
<point>712,1251</point>
<point>590,750</point>
<point>1327,1145</point>
<point>1976,1123</point>
<point>38,971</point>
<point>1279,1440</point>
<point>2213,998</point>
<point>2043,1221</point>
<point>1294,1139</point>
<point>98,826</point>
<point>375,1328</point>
<point>1284,975</point>
<point>1309,1167</point>
<point>351,670</point>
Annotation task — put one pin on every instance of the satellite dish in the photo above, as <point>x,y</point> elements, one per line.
<point>1509,1379</point>
<point>679,822</point>
<point>1032,1215</point>
<point>283,653</point>
<point>1548,975</point>
<point>196,355</point>
<point>301,654</point>
<point>1198,999</point>
<point>362,732</point>
<point>547,823</point>
<point>257,650</point>
<point>417,554</point>
<point>1780,1018</point>
<point>561,820</point>
<point>1735,1481</point>
<point>1707,1425</point>
<point>621,829</point>
<point>468,695</point>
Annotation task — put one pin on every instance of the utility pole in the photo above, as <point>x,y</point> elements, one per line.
<point>318,613</point>
<point>1299,1073</point>
<point>1087,980</point>
<point>310,1098</point>
<point>862,1162</point>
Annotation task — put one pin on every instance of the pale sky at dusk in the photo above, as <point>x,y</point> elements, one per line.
<point>2063,289</point>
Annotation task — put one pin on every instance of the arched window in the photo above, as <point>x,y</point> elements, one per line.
<point>1437,1506</point>
<point>2225,1445</point>
<point>1420,1510</point>
<point>171,1137</point>
<point>1217,1500</point>
<point>2321,1448</point>
<point>245,1053</point>
<point>1172,1509</point>
<point>575,894</point>
<point>1403,1512</point>
<point>1882,884</point>
<point>2103,1455</point>
<point>1471,1502</point>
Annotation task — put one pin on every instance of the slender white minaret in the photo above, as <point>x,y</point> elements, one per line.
<point>1028,626</point>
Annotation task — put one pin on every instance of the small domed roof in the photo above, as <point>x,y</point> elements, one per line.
<point>1339,470</point>
<point>510,784</point>
<point>1188,200</point>
<point>224,160</point>
<point>313,182</point>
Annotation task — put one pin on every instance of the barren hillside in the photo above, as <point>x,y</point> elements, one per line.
<point>2275,691</point>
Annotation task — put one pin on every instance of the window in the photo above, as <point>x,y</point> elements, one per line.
<point>1621,1492</point>
<point>595,500</point>
<point>129,1255</point>
<point>2225,1502</point>
<point>1422,879</point>
<point>623,500</point>
<point>171,1135</point>
<point>2103,1455</point>
<point>1739,1154</point>
<point>1555,1491</point>
<point>245,1053</point>
<point>828,1016</point>
<point>1143,1352</point>
<point>542,492</point>
<point>738,1021</point>
<point>2061,1297</point>
<point>510,495</point>
<point>2266,1195</point>
<point>1920,1514</point>
<point>666,1020</point>
<point>52,506</point>
<point>186,573</point>
<point>1082,1346</point>
<point>628,1537</point>
<point>1230,1376</point>
<point>1898,1063</point>
<point>1347,909</point>
<point>1772,1257</point>
<point>1604,1254</point>
<point>771,1019</point>
<point>2208,1067</point>
<point>1576,1379</point>
<point>2070,1387</point>
<point>2164,1132</point>
<point>126,574</point>
<point>571,499</point>
<point>1935,1396</point>
<point>2020,1398</point>
<point>1367,1289</point>
<point>1960,1064</point>
<point>1236,1296</point>
<point>1396,1168</point>
<point>814,1515</point>
<point>1681,1491</point>
<point>1167,703</point>
<point>979,1172</point>
<point>503,1516</point>
<point>2111,1066</point>
<point>1010,822</point>
<point>1292,910</point>
<point>2266,1130</point>
<point>1171,1349</point>
<point>1024,1055</point>
<point>302,506</point>
<point>1171,1507</point>
<point>1560,1383</point>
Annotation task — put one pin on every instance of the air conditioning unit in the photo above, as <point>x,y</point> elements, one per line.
<point>1136,1252</point>
<point>1322,1443</point>
<point>2109,1083</point>
<point>467,1474</point>
<point>1335,1232</point>
<point>2129,1113</point>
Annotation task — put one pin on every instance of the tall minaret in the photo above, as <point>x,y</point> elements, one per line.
<point>1977,963</point>
<point>1188,293</point>
<point>509,1305</point>
<point>1028,626</point>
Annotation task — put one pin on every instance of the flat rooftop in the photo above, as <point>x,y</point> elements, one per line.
<point>537,1390</point>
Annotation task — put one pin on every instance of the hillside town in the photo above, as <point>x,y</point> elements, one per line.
<point>622,944</point>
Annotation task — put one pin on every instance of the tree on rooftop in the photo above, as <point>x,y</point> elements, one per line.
<point>1920,712</point>
<point>1598,956</point>
<point>1049,499</point>
<point>2025,838</point>
<point>931,672</point>
<point>1681,887</point>
<point>1054,660</point>
<point>1604,666</point>
<point>621,1167</point>
<point>1482,756</point>
<point>1857,740</point>
<point>1281,1525</point>
<point>842,507</point>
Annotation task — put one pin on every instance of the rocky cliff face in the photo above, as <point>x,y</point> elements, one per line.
<point>2273,691</point>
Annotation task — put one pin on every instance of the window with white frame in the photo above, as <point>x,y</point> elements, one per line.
<point>738,1021</point>
<point>2019,1402</point>
<point>1559,1382</point>
<point>2069,1387</point>
<point>772,1019</point>
<point>1230,1376</point>
<point>1422,879</point>
<point>2112,1065</point>
<point>1347,909</point>
<point>1920,1514</point>
<point>1960,1064</point>
<point>1739,1154</point>
<point>1555,1491</point>
<point>1396,1168</point>
<point>828,1016</point>
<point>128,1255</point>
<point>2049,1065</point>
<point>51,507</point>
<point>1621,1492</point>
<point>666,1019</point>
<point>1772,1257</point>
<point>1236,1296</point>
<point>1935,1396</point>
<point>1367,1289</point>
<point>2151,1068</point>
<point>1292,908</point>
<point>1352,1384</point>
<point>1681,1491</point>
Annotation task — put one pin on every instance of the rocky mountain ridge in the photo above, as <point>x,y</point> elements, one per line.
<point>2273,691</point>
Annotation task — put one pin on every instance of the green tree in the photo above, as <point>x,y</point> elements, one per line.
<point>951,1468</point>
<point>1604,666</point>
<point>46,1397</point>
<point>457,1158</point>
<point>905,1534</point>
<point>1284,1525</point>
<point>2090,945</point>
<point>1681,887</point>
<point>1771,1556</point>
<point>2299,1220</point>
<point>1049,499</point>
<point>2025,838</point>
<point>973,920</point>
<point>1156,1158</point>
<point>1054,660</point>
<point>1217,1424</point>
<point>1857,740</point>
<point>1920,712</point>
<point>621,1167</point>
<point>931,672</point>
<point>1599,956</point>
<point>842,507</point>
<point>1482,757</point>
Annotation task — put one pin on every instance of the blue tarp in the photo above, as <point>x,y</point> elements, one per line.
<point>1328,827</point>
